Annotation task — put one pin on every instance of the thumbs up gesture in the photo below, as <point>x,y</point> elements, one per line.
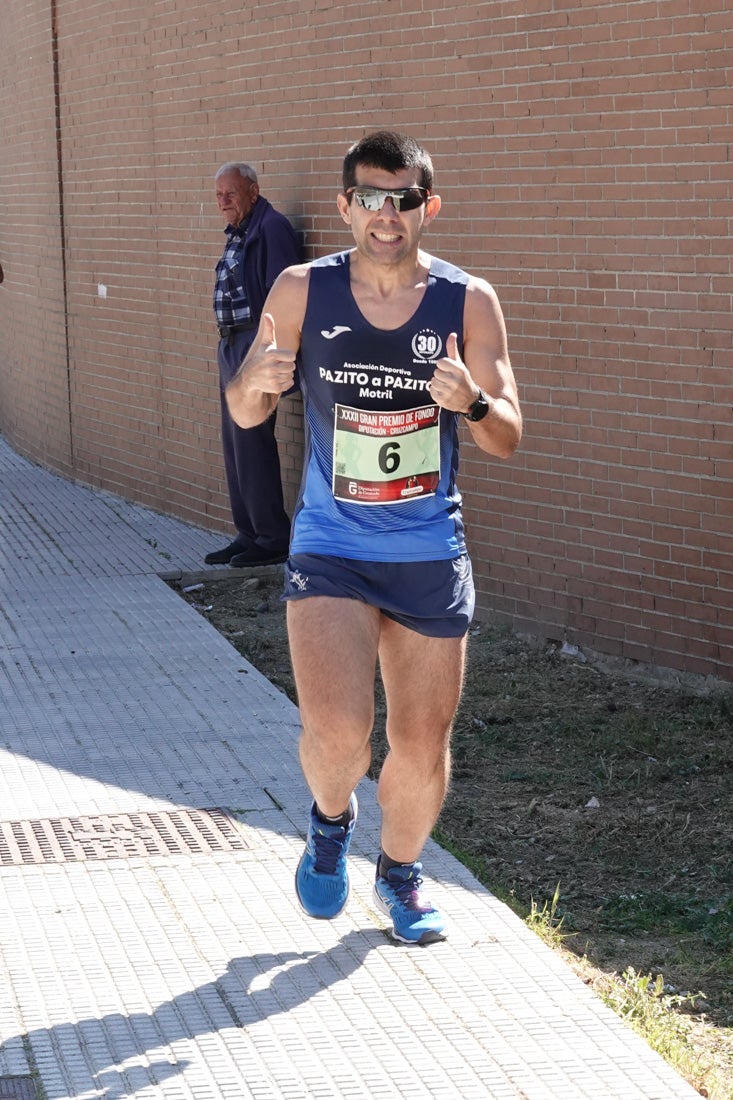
<point>267,367</point>
<point>451,348</point>
<point>268,331</point>
<point>451,386</point>
<point>267,372</point>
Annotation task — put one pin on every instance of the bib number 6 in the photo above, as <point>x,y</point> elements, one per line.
<point>389,458</point>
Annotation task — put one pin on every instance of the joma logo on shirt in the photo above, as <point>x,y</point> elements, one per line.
<point>335,331</point>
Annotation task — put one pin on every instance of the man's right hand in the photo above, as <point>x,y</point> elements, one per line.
<point>266,372</point>
<point>267,367</point>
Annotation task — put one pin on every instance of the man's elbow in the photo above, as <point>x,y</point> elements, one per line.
<point>506,448</point>
<point>244,419</point>
<point>246,413</point>
<point>512,439</point>
<point>238,410</point>
<point>502,444</point>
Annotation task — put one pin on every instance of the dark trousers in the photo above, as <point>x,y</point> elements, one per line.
<point>252,464</point>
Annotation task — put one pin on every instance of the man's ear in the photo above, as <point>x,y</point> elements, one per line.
<point>432,208</point>
<point>344,207</point>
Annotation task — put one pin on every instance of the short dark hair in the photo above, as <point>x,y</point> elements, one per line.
<point>391,152</point>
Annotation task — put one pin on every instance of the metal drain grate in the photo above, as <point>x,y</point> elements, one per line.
<point>119,836</point>
<point>18,1088</point>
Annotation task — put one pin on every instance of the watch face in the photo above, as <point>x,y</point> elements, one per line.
<point>479,408</point>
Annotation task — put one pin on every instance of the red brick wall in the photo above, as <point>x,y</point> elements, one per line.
<point>583,156</point>
<point>34,379</point>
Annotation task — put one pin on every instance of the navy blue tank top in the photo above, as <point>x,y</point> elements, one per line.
<point>379,479</point>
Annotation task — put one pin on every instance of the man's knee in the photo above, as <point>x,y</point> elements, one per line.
<point>336,748</point>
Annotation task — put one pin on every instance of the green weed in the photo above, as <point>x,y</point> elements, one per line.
<point>547,922</point>
<point>657,1015</point>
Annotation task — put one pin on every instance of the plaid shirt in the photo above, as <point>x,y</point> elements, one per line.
<point>230,300</point>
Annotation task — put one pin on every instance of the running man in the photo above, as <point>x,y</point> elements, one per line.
<point>395,348</point>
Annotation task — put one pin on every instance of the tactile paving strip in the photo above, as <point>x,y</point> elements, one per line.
<point>118,836</point>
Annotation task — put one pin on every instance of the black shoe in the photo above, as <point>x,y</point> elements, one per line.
<point>224,556</point>
<point>255,555</point>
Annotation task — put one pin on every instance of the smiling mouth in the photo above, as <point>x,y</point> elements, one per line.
<point>388,238</point>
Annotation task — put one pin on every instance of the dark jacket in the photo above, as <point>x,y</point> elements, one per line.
<point>270,246</point>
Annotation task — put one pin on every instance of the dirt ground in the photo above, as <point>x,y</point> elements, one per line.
<point>573,775</point>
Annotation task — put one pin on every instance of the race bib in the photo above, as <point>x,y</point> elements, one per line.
<point>385,457</point>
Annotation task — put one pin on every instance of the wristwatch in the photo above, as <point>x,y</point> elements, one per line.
<point>479,408</point>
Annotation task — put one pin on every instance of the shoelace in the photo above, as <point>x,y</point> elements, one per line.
<point>408,893</point>
<point>328,849</point>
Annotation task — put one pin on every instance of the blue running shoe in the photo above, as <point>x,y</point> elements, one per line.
<point>413,918</point>
<point>322,880</point>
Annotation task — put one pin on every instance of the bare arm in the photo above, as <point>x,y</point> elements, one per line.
<point>485,365</point>
<point>269,366</point>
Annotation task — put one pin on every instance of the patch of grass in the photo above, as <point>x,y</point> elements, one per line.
<point>642,1002</point>
<point>681,914</point>
<point>536,777</point>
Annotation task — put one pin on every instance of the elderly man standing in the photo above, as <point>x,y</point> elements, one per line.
<point>260,243</point>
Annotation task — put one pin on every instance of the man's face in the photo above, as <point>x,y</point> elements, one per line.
<point>235,197</point>
<point>387,236</point>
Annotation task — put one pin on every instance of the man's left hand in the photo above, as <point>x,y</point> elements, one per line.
<point>451,386</point>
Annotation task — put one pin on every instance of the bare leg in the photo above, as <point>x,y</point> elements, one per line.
<point>333,645</point>
<point>422,678</point>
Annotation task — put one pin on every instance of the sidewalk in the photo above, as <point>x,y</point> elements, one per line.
<point>151,817</point>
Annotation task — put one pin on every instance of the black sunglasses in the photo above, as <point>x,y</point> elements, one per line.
<point>374,198</point>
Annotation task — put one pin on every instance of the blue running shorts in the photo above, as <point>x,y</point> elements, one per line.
<point>435,598</point>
